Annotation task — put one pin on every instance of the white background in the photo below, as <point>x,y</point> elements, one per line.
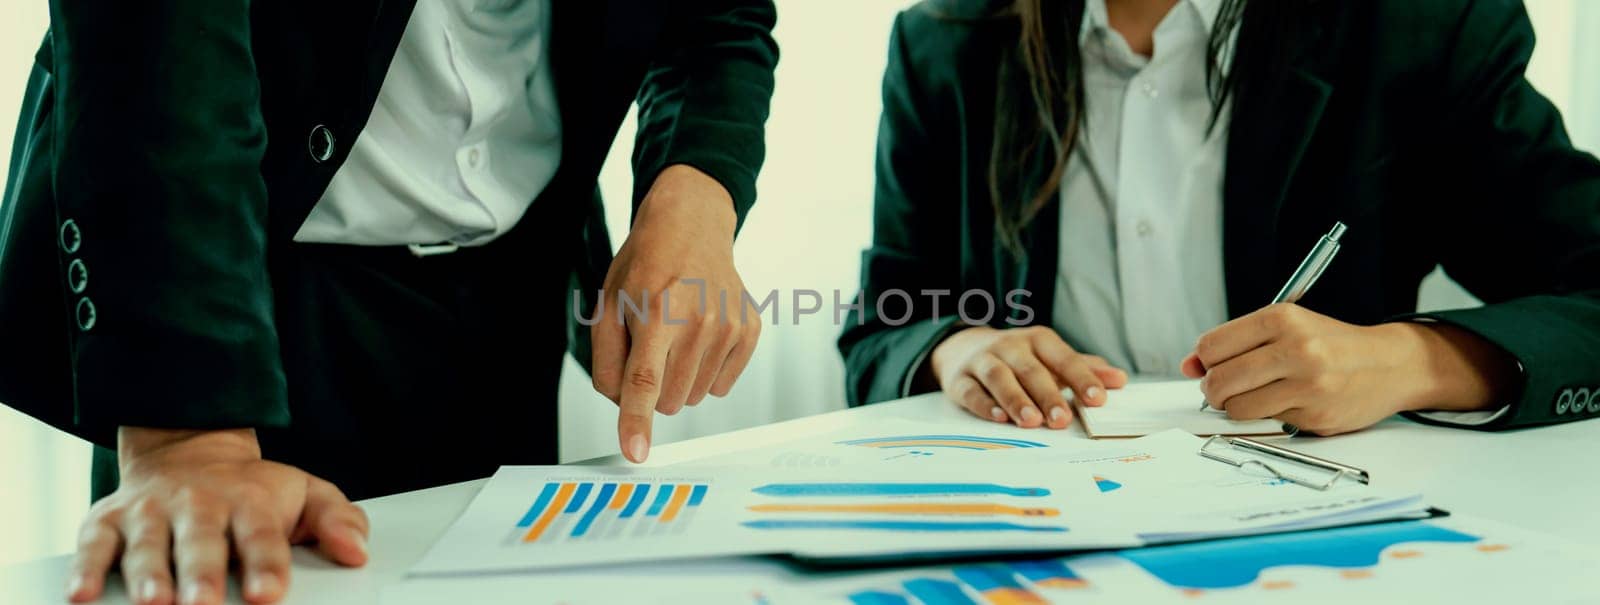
<point>813,219</point>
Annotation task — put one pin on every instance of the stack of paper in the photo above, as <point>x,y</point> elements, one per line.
<point>579,535</point>
<point>1027,496</point>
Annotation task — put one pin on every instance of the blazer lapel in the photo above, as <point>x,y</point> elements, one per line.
<point>1268,137</point>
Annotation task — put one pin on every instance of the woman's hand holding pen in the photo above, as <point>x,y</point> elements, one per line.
<point>1329,377</point>
<point>1017,375</point>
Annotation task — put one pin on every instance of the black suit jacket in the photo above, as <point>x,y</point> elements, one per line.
<point>1409,121</point>
<point>166,150</point>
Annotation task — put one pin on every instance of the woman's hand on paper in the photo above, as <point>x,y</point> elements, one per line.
<point>1328,377</point>
<point>1017,375</point>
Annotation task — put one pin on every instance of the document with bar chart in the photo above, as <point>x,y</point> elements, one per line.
<point>1153,490</point>
<point>530,518</point>
<point>546,516</point>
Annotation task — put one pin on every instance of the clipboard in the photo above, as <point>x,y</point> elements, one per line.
<point>1278,458</point>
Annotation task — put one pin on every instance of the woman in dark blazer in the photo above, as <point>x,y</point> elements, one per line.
<point>1122,185</point>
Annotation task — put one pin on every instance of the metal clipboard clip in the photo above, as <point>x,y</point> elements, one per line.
<point>1338,470</point>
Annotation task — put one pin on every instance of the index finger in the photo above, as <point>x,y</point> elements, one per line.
<point>1236,337</point>
<point>641,388</point>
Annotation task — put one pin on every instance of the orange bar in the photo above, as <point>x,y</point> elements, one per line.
<point>680,494</point>
<point>562,496</point>
<point>1013,596</point>
<point>1062,583</point>
<point>621,497</point>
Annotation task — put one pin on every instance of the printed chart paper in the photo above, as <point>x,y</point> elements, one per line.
<point>549,517</point>
<point>1450,560</point>
<point>1104,495</point>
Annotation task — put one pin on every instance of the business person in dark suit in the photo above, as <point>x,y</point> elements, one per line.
<point>277,253</point>
<point>1150,172</point>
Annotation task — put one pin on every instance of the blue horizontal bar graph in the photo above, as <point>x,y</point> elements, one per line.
<point>784,490</point>
<point>904,526</point>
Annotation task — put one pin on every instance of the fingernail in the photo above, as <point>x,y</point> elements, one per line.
<point>74,585</point>
<point>359,540</point>
<point>1031,415</point>
<point>262,585</point>
<point>1058,415</point>
<point>998,414</point>
<point>1094,393</point>
<point>193,592</point>
<point>638,448</point>
<point>149,589</point>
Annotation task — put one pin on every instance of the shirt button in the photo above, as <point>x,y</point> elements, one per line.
<point>1149,89</point>
<point>1144,228</point>
<point>473,157</point>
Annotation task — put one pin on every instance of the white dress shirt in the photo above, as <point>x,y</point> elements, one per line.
<point>464,135</point>
<point>1140,276</point>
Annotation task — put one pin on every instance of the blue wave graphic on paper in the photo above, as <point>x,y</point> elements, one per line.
<point>1237,562</point>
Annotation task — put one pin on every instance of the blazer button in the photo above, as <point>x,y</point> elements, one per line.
<point>321,144</point>
<point>78,276</point>
<point>1594,401</point>
<point>1564,401</point>
<point>1580,401</point>
<point>71,236</point>
<point>86,314</point>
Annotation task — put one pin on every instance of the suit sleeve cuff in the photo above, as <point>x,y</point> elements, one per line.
<point>1464,419</point>
<point>936,333</point>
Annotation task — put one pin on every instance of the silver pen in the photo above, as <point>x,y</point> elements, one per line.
<point>1310,269</point>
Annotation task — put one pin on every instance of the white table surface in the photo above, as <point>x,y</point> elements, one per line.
<point>1542,479</point>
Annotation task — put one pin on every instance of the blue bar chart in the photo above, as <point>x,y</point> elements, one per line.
<point>587,510</point>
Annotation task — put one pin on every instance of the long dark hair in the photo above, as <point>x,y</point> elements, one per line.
<point>1039,93</point>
